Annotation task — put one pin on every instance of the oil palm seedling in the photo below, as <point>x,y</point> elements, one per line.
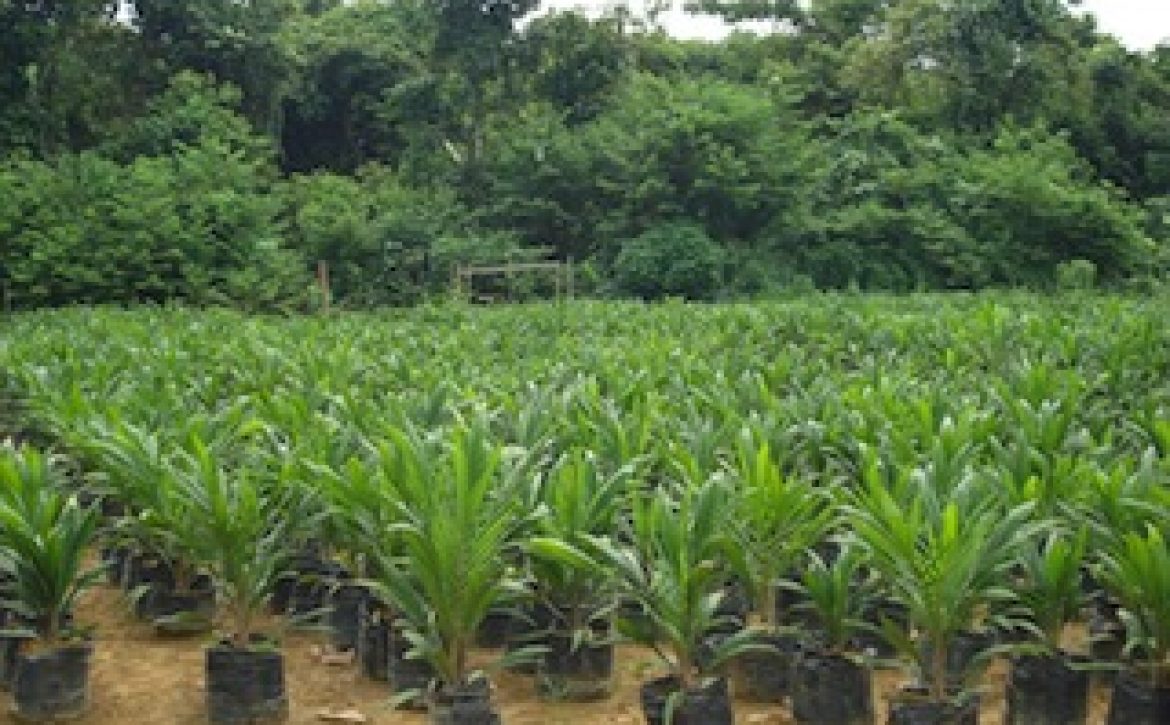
<point>675,569</point>
<point>678,579</point>
<point>44,535</point>
<point>356,495</point>
<point>831,679</point>
<point>1136,569</point>
<point>318,586</point>
<point>1115,498</point>
<point>359,509</point>
<point>148,548</point>
<point>619,435</point>
<point>945,559</point>
<point>126,461</point>
<point>174,594</point>
<point>150,543</point>
<point>446,564</point>
<point>776,519</point>
<point>1149,424</point>
<point>244,535</point>
<point>1049,685</point>
<point>1053,482</point>
<point>579,503</point>
<point>365,496</point>
<point>1118,499</point>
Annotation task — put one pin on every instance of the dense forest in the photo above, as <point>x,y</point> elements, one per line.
<point>213,151</point>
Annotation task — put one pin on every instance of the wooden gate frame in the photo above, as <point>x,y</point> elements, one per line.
<point>563,279</point>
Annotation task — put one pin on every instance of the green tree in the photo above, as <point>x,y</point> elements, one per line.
<point>473,47</point>
<point>574,63</point>
<point>894,208</point>
<point>237,42</point>
<point>67,72</point>
<point>193,109</point>
<point>380,236</point>
<point>671,259</point>
<point>830,20</point>
<point>364,90</point>
<point>721,154</point>
<point>1122,129</point>
<point>879,216</point>
<point>200,225</point>
<point>1032,204</point>
<point>970,64</point>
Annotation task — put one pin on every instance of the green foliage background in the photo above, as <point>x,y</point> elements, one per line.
<point>213,152</point>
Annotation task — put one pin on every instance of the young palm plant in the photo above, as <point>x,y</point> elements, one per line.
<point>359,512</point>
<point>1114,499</point>
<point>365,496</point>
<point>44,535</point>
<point>580,503</point>
<point>1137,570</point>
<point>831,682</point>
<point>163,529</point>
<point>945,559</point>
<point>1048,685</point>
<point>776,519</point>
<point>243,532</point>
<point>446,564</point>
<point>677,576</point>
<point>675,569</point>
<point>126,462</point>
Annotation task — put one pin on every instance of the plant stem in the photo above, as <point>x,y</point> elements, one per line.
<point>52,629</point>
<point>938,666</point>
<point>768,605</point>
<point>575,617</point>
<point>243,625</point>
<point>685,674</point>
<point>184,578</point>
<point>460,662</point>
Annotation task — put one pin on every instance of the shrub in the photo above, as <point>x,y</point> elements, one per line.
<point>1076,274</point>
<point>1032,204</point>
<point>200,226</point>
<point>379,236</point>
<point>677,259</point>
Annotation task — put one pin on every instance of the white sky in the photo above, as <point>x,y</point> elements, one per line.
<point>1140,24</point>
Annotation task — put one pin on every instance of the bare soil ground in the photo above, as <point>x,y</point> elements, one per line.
<point>140,678</point>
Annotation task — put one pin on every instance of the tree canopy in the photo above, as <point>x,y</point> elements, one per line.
<point>186,149</point>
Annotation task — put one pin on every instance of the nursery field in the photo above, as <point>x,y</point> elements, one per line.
<point>835,510</point>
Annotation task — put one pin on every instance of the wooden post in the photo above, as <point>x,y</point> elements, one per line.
<point>509,283</point>
<point>323,285</point>
<point>569,275</point>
